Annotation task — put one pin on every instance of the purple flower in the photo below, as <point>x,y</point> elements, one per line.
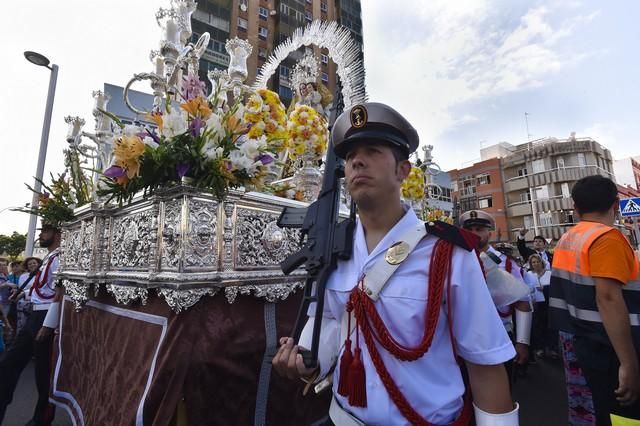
<point>114,172</point>
<point>196,125</point>
<point>265,159</point>
<point>192,87</point>
<point>182,169</point>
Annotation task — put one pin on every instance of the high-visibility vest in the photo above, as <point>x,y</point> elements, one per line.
<point>572,292</point>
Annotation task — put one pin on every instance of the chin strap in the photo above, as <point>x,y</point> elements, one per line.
<point>523,326</point>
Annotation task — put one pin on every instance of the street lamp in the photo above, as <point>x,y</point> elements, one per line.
<point>42,61</point>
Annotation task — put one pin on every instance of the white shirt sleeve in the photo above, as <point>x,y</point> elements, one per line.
<point>480,335</point>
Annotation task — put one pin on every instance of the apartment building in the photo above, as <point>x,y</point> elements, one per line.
<point>627,171</point>
<point>265,24</point>
<point>538,178</point>
<point>480,187</point>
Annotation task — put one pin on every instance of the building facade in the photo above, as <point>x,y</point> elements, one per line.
<point>627,172</point>
<point>440,195</point>
<point>265,24</point>
<point>480,187</point>
<point>538,178</point>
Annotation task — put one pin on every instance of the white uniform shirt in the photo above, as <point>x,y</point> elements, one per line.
<point>48,289</point>
<point>515,271</point>
<point>432,384</point>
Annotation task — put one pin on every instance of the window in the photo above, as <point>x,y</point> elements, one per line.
<point>485,203</point>
<point>537,166</point>
<point>284,9</point>
<point>263,12</point>
<point>522,172</point>
<point>242,24</point>
<point>263,33</point>
<point>546,219</point>
<point>325,77</point>
<point>484,179</point>
<point>565,190</point>
<point>528,222</point>
<point>324,58</point>
<point>581,159</point>
<point>323,6</point>
<point>284,92</point>
<point>560,162</point>
<point>525,196</point>
<point>454,186</point>
<point>284,71</point>
<point>542,192</point>
<point>308,16</point>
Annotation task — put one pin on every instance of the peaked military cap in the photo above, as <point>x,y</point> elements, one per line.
<point>373,121</point>
<point>477,218</point>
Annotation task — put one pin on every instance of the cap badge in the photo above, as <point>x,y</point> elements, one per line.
<point>473,214</point>
<point>358,116</point>
<point>397,253</point>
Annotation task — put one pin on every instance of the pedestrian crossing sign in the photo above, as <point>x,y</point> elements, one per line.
<point>630,207</point>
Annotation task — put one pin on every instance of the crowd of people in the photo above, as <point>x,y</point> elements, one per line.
<point>425,323</point>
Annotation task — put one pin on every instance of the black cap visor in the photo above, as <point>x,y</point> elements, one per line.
<point>385,134</point>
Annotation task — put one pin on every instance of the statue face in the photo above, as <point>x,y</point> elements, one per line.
<point>303,89</point>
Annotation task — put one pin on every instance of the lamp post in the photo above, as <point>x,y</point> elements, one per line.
<point>42,61</point>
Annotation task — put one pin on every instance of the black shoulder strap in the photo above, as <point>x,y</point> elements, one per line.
<point>24,284</point>
<point>458,236</point>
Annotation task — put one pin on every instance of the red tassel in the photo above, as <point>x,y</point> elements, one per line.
<point>345,362</point>
<point>357,385</point>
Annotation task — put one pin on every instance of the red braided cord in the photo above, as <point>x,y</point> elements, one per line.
<point>439,271</point>
<point>367,315</point>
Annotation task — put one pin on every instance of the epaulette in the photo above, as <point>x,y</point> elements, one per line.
<point>458,236</point>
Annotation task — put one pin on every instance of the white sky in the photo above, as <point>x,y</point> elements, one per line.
<point>463,72</point>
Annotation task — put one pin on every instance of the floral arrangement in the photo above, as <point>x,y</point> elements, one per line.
<point>216,149</point>
<point>309,133</point>
<point>413,186</point>
<point>285,190</point>
<point>267,117</point>
<point>430,215</point>
<point>55,201</point>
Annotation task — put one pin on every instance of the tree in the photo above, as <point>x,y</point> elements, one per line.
<point>13,244</point>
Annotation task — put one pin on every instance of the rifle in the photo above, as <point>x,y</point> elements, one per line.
<point>323,238</point>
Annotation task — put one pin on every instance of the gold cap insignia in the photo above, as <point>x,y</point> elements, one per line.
<point>397,253</point>
<point>473,214</point>
<point>358,116</point>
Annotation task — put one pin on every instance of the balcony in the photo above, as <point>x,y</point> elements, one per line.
<point>555,203</point>
<point>550,176</point>
<point>215,57</point>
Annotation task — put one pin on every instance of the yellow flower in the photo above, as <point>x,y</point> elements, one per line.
<point>156,117</point>
<point>127,151</point>
<point>197,107</point>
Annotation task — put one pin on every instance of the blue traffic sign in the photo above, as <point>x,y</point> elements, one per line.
<point>630,207</point>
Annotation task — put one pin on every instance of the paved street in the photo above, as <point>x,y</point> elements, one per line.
<point>24,401</point>
<point>541,395</point>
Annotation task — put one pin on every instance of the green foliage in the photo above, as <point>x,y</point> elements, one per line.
<point>12,244</point>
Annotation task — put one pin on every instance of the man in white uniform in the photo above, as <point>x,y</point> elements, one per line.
<point>482,223</point>
<point>36,337</point>
<point>403,369</point>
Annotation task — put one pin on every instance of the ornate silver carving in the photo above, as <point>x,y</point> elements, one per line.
<point>253,226</point>
<point>86,247</point>
<point>78,292</point>
<point>227,244</point>
<point>270,292</point>
<point>171,234</point>
<point>71,247</point>
<point>180,300</point>
<point>132,240</point>
<point>201,247</point>
<point>127,294</point>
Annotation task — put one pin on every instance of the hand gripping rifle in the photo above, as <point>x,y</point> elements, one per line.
<point>327,240</point>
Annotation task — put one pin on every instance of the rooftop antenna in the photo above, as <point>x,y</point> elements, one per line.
<point>526,120</point>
